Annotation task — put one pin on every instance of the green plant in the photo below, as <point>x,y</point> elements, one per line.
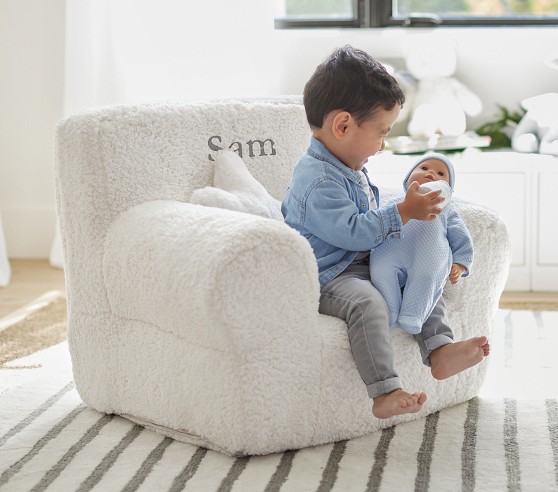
<point>500,130</point>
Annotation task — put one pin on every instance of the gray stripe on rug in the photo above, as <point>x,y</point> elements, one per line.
<point>280,475</point>
<point>380,459</point>
<point>189,470</point>
<point>36,413</point>
<point>109,459</point>
<point>511,446</point>
<point>329,476</point>
<point>468,450</point>
<point>234,472</point>
<point>147,465</point>
<point>40,444</point>
<point>552,412</point>
<point>424,456</point>
<point>51,475</point>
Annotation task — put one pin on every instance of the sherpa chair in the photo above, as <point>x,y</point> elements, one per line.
<point>202,323</point>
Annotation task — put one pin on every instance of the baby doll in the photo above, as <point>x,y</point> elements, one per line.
<point>410,271</point>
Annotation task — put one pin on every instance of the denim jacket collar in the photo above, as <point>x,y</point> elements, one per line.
<point>319,151</point>
<point>308,207</point>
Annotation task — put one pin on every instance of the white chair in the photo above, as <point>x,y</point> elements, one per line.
<point>203,323</point>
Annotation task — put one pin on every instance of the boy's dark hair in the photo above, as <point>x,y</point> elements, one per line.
<point>350,80</point>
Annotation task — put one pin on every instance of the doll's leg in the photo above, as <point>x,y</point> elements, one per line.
<point>420,295</point>
<point>387,279</point>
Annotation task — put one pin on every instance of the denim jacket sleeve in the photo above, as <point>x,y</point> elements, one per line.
<point>331,214</point>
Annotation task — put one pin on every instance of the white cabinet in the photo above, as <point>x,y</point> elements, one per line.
<point>545,218</point>
<point>519,187</point>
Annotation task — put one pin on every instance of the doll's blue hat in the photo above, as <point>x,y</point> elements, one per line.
<point>427,157</point>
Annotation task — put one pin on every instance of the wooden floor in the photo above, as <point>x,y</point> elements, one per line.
<point>33,278</point>
<point>30,280</point>
<point>542,301</point>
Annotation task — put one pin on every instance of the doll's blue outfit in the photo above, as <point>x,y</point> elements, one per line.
<point>410,271</point>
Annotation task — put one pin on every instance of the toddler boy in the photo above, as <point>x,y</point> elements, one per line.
<point>351,103</point>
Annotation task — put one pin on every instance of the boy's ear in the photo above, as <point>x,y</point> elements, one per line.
<point>341,123</point>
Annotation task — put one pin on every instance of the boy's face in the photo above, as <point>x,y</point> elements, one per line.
<point>368,138</point>
<point>428,171</point>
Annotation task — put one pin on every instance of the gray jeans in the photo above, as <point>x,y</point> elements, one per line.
<point>351,297</point>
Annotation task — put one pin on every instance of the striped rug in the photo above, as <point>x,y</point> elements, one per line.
<point>50,441</point>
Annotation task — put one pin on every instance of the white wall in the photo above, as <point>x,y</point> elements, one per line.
<point>502,65</point>
<point>31,89</point>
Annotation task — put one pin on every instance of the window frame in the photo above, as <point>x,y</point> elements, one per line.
<point>378,13</point>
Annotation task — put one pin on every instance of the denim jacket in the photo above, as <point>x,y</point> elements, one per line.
<point>327,205</point>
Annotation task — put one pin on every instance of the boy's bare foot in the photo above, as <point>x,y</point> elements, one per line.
<point>397,402</point>
<point>451,359</point>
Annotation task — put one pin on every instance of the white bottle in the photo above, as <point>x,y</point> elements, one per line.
<point>435,186</point>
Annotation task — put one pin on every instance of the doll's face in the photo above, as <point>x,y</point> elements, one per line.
<point>428,171</point>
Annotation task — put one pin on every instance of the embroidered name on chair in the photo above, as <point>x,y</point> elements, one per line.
<point>261,148</point>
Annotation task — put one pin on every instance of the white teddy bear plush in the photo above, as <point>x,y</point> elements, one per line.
<point>408,85</point>
<point>441,103</point>
<point>538,129</point>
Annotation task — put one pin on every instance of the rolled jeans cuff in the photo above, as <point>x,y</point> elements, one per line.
<point>432,344</point>
<point>383,387</point>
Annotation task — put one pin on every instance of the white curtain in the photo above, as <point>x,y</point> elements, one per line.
<point>120,51</point>
<point>127,51</point>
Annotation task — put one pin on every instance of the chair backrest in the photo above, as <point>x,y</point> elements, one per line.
<point>110,159</point>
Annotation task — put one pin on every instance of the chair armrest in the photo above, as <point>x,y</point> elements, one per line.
<point>473,302</point>
<point>238,297</point>
<point>213,277</point>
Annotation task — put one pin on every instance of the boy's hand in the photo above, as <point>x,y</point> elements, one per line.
<point>456,272</point>
<point>418,206</point>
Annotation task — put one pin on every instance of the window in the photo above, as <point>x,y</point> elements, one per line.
<point>318,13</point>
<point>383,13</point>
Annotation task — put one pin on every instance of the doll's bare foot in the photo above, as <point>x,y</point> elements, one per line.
<point>449,360</point>
<point>397,402</point>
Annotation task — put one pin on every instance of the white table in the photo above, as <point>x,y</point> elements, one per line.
<point>5,270</point>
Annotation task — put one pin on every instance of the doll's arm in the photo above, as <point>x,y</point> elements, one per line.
<point>460,242</point>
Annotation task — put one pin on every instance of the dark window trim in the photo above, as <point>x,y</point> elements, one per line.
<point>377,13</point>
<point>313,23</point>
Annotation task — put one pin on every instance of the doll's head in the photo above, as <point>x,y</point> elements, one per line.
<point>429,168</point>
<point>432,172</point>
